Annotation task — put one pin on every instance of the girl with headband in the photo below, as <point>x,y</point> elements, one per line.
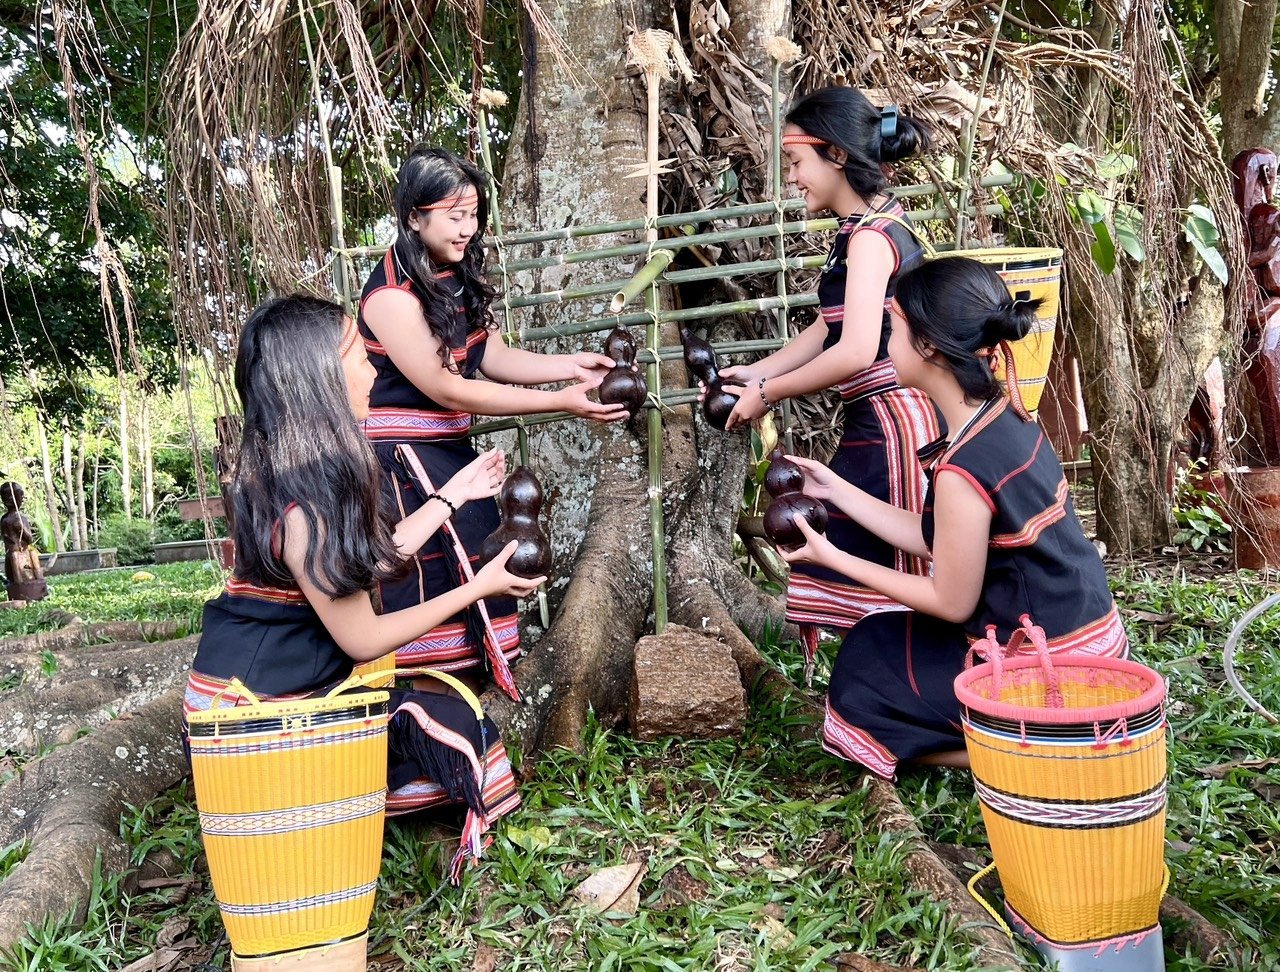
<point>425,319</point>
<point>997,526</point>
<point>311,542</point>
<point>839,148</point>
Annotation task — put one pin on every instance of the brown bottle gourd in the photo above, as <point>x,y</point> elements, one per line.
<point>700,358</point>
<point>520,502</point>
<point>622,386</point>
<point>785,483</point>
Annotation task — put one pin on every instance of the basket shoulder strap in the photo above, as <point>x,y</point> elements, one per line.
<point>871,217</point>
<point>359,681</point>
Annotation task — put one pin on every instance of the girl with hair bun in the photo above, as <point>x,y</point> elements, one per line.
<point>839,148</point>
<point>997,527</point>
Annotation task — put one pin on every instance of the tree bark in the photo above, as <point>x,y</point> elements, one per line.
<point>1249,107</point>
<point>69,487</point>
<point>81,506</point>
<point>50,494</point>
<point>126,468</point>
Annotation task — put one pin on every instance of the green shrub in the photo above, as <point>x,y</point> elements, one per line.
<point>134,540</point>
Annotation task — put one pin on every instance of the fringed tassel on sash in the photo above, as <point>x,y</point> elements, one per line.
<point>448,758</point>
<point>456,558</point>
<point>809,642</point>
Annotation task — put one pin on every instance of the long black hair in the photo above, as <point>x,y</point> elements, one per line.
<point>301,444</point>
<point>844,118</point>
<point>964,310</point>
<point>428,176</point>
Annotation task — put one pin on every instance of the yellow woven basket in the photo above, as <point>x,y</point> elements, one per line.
<point>1031,273</point>
<point>1068,758</point>
<point>292,800</point>
<point>379,673</point>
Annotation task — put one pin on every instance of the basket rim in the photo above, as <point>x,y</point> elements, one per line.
<point>1149,699</point>
<point>274,710</point>
<point>1009,253</point>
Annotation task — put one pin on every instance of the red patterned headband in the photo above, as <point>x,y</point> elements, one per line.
<point>349,335</point>
<point>464,198</point>
<point>802,140</point>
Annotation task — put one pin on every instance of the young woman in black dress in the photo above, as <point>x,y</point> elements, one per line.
<point>312,541</point>
<point>998,528</point>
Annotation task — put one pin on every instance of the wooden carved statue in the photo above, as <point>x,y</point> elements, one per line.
<point>21,559</point>
<point>622,385</point>
<point>520,502</point>
<point>1254,186</point>
<point>700,358</point>
<point>785,483</point>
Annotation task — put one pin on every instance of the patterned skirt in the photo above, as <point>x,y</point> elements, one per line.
<point>458,644</point>
<point>438,754</point>
<point>892,695</point>
<point>882,434</point>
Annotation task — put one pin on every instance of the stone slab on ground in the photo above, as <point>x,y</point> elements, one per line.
<point>686,684</point>
<point>184,550</point>
<point>75,561</point>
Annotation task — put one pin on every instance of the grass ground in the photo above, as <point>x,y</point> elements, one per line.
<point>757,851</point>
<point>174,592</point>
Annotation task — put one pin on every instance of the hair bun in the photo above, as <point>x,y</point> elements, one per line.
<point>909,138</point>
<point>1013,319</point>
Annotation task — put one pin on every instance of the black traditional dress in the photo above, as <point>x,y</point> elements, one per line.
<point>439,753</point>
<point>891,696</point>
<point>885,426</point>
<point>402,417</point>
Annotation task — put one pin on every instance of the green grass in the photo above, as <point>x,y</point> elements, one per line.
<point>177,593</point>
<point>758,851</point>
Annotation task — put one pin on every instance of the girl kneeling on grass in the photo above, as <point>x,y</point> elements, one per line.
<point>311,541</point>
<point>997,524</point>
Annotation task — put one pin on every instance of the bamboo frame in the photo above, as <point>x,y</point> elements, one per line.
<point>653,274</point>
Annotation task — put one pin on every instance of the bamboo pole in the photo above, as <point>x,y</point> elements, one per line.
<point>689,219</point>
<point>597,325</point>
<point>781,319</point>
<point>821,225</point>
<point>657,530</point>
<point>642,281</point>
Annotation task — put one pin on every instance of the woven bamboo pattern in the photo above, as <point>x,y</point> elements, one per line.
<point>292,801</point>
<point>1068,759</point>
<point>378,673</point>
<point>1032,273</point>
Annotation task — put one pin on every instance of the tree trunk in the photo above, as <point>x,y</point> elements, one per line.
<point>1250,110</point>
<point>81,506</point>
<point>148,462</point>
<point>69,488</point>
<point>126,469</point>
<point>97,476</point>
<point>50,494</point>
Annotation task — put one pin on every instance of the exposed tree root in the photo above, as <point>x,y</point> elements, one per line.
<point>77,633</point>
<point>88,691</point>
<point>69,805</point>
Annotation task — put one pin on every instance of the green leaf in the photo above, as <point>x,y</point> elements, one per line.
<point>1093,208</point>
<point>1201,226</point>
<point>1103,249</point>
<point>1212,258</point>
<point>1129,231</point>
<point>1116,165</point>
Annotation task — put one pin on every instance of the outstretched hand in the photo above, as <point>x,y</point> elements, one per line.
<point>494,579</point>
<point>479,479</point>
<point>817,548</point>
<point>575,399</point>
<point>589,364</point>
<point>819,481</point>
